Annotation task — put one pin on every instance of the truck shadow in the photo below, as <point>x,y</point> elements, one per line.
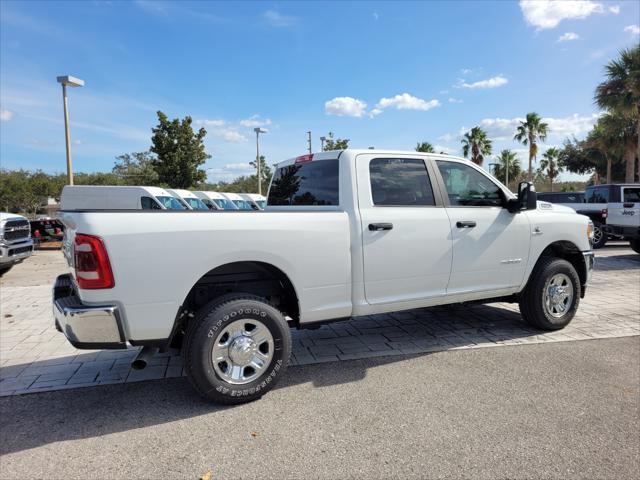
<point>30,421</point>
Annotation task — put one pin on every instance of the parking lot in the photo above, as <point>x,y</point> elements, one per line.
<point>410,395</point>
<point>36,358</point>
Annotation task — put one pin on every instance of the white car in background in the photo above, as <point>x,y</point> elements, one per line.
<point>98,197</point>
<point>215,200</point>
<point>239,202</point>
<point>189,199</point>
<point>258,202</point>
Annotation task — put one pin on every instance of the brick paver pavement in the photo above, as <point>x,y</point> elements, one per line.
<point>34,357</point>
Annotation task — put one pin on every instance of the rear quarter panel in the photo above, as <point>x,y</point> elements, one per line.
<point>157,257</point>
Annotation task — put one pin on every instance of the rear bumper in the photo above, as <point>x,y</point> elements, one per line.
<point>630,232</point>
<point>85,326</point>
<point>15,252</point>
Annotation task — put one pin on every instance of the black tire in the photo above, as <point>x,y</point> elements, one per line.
<point>634,243</point>
<point>532,301</point>
<point>5,269</point>
<point>599,236</point>
<point>207,330</point>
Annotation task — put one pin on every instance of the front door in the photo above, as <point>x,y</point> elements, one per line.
<point>406,236</point>
<point>490,244</point>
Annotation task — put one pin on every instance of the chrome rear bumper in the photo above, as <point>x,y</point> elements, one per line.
<point>85,326</point>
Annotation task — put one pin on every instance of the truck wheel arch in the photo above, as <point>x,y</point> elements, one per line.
<point>568,251</point>
<point>252,277</point>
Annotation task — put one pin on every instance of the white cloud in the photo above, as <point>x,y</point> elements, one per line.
<point>493,82</point>
<point>255,121</point>
<point>567,37</point>
<point>447,137</point>
<point>235,167</point>
<point>455,100</point>
<point>212,123</point>
<point>278,20</point>
<point>466,71</point>
<point>405,101</point>
<point>6,115</point>
<point>345,107</point>
<point>615,9</point>
<point>632,29</point>
<point>505,128</point>
<point>544,14</point>
<point>230,134</point>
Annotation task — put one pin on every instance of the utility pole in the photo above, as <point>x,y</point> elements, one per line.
<point>309,141</point>
<point>322,140</point>
<point>258,131</point>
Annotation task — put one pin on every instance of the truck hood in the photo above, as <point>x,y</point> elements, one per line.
<point>554,207</point>
<point>4,216</point>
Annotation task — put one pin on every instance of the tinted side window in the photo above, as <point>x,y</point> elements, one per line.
<point>631,195</point>
<point>149,203</point>
<point>311,183</point>
<point>468,187</point>
<point>399,181</point>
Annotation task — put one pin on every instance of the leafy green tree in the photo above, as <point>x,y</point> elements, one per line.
<point>180,151</point>
<point>136,169</point>
<point>551,165</point>
<point>477,143</point>
<point>425,147</point>
<point>530,132</point>
<point>508,167</point>
<point>335,144</point>
<point>265,173</point>
<point>620,94</point>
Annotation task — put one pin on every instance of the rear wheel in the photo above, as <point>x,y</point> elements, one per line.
<point>599,236</point>
<point>551,298</point>
<point>635,244</point>
<point>236,349</point>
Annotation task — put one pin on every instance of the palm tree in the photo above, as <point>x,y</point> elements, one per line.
<point>508,166</point>
<point>425,147</point>
<point>620,93</point>
<point>605,137</point>
<point>476,142</point>
<point>551,165</point>
<point>529,132</point>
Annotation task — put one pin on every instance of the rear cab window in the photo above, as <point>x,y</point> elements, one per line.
<point>310,183</point>
<point>400,182</point>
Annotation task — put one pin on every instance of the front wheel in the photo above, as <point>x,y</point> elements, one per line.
<point>550,299</point>
<point>236,349</point>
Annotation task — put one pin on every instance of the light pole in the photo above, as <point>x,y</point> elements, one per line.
<point>258,131</point>
<point>322,140</point>
<point>68,81</point>
<point>309,141</point>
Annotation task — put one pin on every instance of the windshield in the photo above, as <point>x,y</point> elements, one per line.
<point>225,204</point>
<point>196,204</point>
<point>210,204</point>
<point>171,203</point>
<point>261,203</point>
<point>242,204</point>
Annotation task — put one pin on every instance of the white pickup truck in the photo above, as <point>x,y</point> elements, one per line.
<point>345,233</point>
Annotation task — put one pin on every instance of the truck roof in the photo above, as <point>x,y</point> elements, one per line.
<point>182,193</point>
<point>334,154</point>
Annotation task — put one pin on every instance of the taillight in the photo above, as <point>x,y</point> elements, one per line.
<point>93,270</point>
<point>605,212</point>
<point>304,158</point>
<point>36,234</point>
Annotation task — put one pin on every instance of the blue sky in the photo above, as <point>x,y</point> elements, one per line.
<point>381,74</point>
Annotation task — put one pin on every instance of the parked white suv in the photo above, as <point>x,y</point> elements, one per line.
<point>16,243</point>
<point>345,233</point>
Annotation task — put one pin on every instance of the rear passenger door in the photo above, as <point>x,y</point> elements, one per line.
<point>406,237</point>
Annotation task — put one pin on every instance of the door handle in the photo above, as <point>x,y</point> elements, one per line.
<point>376,227</point>
<point>466,224</point>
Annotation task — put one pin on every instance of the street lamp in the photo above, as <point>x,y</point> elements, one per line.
<point>68,81</point>
<point>322,140</point>
<point>258,131</point>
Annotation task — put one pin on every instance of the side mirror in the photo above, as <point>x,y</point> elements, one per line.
<point>527,198</point>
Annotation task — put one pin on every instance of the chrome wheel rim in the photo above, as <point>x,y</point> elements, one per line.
<point>558,295</point>
<point>242,351</point>
<point>597,234</point>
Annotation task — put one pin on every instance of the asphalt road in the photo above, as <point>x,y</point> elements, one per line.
<point>561,410</point>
